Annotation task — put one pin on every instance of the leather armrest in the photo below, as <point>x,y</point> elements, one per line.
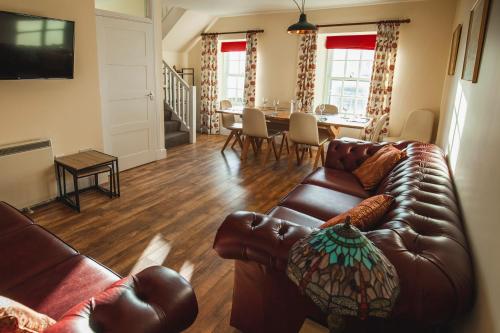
<point>349,155</point>
<point>153,301</point>
<point>257,237</point>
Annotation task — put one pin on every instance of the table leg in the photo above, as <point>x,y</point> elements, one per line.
<point>111,178</point>
<point>58,175</point>
<point>64,182</point>
<point>117,171</point>
<point>77,193</point>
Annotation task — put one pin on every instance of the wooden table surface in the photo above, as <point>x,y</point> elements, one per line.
<point>85,159</point>
<point>324,120</point>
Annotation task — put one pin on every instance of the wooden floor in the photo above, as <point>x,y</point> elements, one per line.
<point>168,214</point>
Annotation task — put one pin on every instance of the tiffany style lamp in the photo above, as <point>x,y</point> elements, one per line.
<point>344,273</point>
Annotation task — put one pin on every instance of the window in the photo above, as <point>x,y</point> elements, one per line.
<point>348,72</point>
<point>233,72</point>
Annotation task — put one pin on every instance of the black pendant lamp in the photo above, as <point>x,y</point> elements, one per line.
<point>302,27</point>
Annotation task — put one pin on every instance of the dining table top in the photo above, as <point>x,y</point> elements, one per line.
<point>335,120</point>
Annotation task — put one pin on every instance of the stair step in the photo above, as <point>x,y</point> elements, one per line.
<point>168,115</point>
<point>176,139</point>
<point>172,126</point>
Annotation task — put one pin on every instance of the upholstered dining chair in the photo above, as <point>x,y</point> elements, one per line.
<point>304,131</point>
<point>229,122</point>
<point>255,130</point>
<point>329,109</point>
<point>418,127</point>
<point>375,136</point>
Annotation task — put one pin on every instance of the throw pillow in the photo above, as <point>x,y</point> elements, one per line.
<point>365,215</point>
<point>376,167</point>
<point>17,318</point>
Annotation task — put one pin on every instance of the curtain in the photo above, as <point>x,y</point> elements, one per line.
<point>306,72</point>
<point>250,70</point>
<point>209,118</point>
<point>379,99</point>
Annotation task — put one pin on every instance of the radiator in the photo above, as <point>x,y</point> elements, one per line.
<point>27,175</point>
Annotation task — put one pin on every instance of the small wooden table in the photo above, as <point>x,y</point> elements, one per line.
<point>86,164</point>
<point>331,123</point>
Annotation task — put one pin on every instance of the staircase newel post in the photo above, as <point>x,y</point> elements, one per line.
<point>192,115</point>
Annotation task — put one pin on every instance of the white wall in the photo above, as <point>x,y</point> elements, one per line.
<point>421,65</point>
<point>473,146</point>
<point>129,7</point>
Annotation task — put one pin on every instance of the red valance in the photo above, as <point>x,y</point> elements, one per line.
<point>358,42</point>
<point>233,46</point>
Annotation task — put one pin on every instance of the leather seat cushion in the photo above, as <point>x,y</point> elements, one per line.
<point>294,216</point>
<point>56,290</point>
<point>338,180</point>
<point>11,220</point>
<point>29,251</point>
<point>319,202</point>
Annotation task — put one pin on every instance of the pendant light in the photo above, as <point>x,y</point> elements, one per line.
<point>302,27</point>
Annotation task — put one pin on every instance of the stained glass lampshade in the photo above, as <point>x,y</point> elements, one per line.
<point>344,273</point>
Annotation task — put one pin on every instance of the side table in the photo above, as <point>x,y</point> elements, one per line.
<point>86,164</point>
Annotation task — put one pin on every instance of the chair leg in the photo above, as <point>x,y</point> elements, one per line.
<point>286,142</point>
<point>246,146</point>
<point>323,155</point>
<point>302,155</point>
<point>254,146</point>
<point>316,160</point>
<point>297,153</point>
<point>227,141</point>
<point>273,143</point>
<point>238,138</point>
<point>290,158</point>
<point>310,151</point>
<point>268,152</point>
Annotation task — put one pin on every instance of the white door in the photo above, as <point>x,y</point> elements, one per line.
<point>127,79</point>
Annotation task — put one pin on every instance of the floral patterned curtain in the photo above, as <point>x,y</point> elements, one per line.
<point>306,74</point>
<point>379,99</point>
<point>251,70</point>
<point>209,118</point>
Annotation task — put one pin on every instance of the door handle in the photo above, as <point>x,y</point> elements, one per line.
<point>150,95</point>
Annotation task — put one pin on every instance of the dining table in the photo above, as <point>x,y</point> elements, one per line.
<point>331,123</point>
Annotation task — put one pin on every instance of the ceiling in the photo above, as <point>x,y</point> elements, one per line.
<point>238,7</point>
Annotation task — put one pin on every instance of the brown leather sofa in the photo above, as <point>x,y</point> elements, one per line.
<point>39,270</point>
<point>422,235</point>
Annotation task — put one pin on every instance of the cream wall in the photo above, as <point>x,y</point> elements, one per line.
<point>66,111</point>
<point>422,56</point>
<point>129,7</point>
<point>473,147</point>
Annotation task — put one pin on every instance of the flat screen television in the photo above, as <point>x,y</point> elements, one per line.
<point>34,47</point>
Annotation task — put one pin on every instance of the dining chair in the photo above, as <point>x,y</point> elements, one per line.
<point>304,131</point>
<point>329,109</point>
<point>255,129</point>
<point>375,136</point>
<point>229,122</point>
<point>418,127</point>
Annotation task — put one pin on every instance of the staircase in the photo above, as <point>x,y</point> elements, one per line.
<point>179,109</point>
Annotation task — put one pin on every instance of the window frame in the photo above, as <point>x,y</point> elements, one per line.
<point>329,78</point>
<point>225,75</point>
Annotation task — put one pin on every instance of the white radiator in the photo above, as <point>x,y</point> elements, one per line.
<point>27,175</point>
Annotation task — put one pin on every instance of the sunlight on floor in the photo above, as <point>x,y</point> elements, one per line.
<point>457,126</point>
<point>154,254</point>
<point>187,270</point>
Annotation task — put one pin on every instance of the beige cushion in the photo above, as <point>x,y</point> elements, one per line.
<point>15,317</point>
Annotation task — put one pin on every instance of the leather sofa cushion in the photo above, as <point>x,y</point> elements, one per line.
<point>59,288</point>
<point>294,216</point>
<point>338,180</point>
<point>30,250</point>
<point>319,202</point>
<point>11,219</point>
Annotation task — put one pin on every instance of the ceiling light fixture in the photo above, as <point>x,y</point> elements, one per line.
<point>302,27</point>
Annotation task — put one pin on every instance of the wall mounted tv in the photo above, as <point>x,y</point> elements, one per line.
<point>34,47</point>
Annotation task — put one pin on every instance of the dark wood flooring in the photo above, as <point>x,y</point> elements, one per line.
<point>175,206</point>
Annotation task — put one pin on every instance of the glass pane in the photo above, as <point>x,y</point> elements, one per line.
<point>231,93</point>
<point>367,55</point>
<point>241,83</point>
<point>339,54</point>
<point>130,7</point>
<point>234,67</point>
<point>363,88</point>
<point>336,87</point>
<point>366,70</point>
<point>231,82</point>
<point>348,105</point>
<point>338,68</point>
<point>361,106</point>
<point>352,69</point>
<point>242,67</point>
<point>335,100</point>
<point>349,88</point>
<point>353,54</point>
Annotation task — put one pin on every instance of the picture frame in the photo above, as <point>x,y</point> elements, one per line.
<point>455,44</point>
<point>475,40</point>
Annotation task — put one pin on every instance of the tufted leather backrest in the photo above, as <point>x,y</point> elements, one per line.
<point>422,234</point>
